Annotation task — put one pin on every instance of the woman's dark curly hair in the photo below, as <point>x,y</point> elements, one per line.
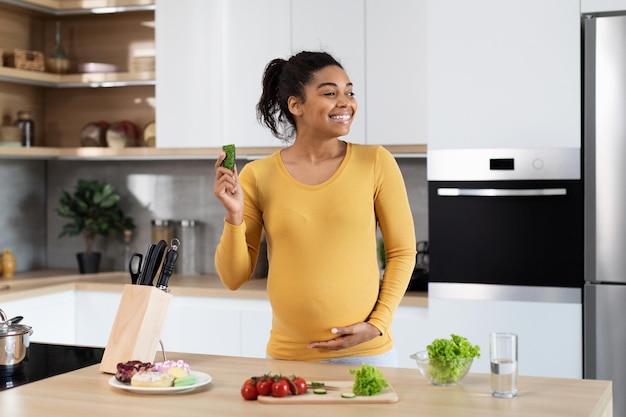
<point>283,79</point>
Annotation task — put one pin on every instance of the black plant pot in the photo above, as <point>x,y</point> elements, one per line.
<point>88,263</point>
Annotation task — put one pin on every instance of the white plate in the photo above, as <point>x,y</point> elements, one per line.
<point>201,380</point>
<point>89,67</point>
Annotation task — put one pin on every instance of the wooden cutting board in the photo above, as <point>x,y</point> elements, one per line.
<point>333,396</point>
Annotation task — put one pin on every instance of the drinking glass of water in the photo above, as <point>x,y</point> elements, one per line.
<point>503,357</point>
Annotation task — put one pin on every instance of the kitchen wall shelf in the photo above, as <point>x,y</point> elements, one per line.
<point>140,153</point>
<point>76,7</point>
<point>114,32</point>
<point>79,7</point>
<point>47,79</point>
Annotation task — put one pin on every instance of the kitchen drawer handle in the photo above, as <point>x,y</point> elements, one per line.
<point>500,192</point>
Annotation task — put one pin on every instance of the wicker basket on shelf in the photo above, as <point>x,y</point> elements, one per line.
<point>23,59</point>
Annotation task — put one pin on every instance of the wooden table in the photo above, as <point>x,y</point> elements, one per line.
<point>86,392</point>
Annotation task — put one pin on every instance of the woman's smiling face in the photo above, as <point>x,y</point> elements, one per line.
<point>329,105</point>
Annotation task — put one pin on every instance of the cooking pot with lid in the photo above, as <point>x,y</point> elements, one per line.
<point>14,341</point>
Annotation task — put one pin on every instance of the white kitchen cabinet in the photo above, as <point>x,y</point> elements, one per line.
<point>209,325</point>
<point>212,55</point>
<point>504,74</point>
<point>255,32</point>
<point>396,78</point>
<point>51,316</point>
<point>221,326</point>
<point>411,332</point>
<point>189,73</point>
<point>203,325</point>
<point>337,28</point>
<point>256,323</point>
<point>590,6</point>
<point>550,334</point>
<point>95,313</point>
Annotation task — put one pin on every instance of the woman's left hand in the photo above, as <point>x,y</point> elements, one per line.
<point>348,336</point>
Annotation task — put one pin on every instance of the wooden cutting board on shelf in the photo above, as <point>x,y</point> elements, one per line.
<point>334,389</point>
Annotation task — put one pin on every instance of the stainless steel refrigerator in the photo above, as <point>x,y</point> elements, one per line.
<point>605,202</point>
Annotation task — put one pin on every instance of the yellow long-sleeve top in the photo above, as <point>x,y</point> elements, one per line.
<point>321,240</point>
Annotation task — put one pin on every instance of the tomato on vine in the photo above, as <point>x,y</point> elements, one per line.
<point>274,385</point>
<point>249,391</point>
<point>280,388</point>
<point>264,386</point>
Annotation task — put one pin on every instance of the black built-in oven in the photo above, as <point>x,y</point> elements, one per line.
<point>517,219</point>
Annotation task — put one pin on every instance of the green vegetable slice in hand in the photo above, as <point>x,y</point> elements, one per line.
<point>229,161</point>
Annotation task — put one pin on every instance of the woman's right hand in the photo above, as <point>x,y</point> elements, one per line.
<point>227,189</point>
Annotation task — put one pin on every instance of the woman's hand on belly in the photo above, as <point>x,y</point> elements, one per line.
<point>349,336</point>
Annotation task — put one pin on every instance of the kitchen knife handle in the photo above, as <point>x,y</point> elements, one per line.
<point>167,269</point>
<point>144,268</point>
<point>155,262</point>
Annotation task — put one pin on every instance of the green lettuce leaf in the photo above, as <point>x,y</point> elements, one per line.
<point>368,380</point>
<point>447,357</point>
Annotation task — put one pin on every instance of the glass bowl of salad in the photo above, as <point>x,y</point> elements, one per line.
<point>442,372</point>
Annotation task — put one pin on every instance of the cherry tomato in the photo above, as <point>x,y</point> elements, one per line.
<point>249,392</point>
<point>264,386</point>
<point>298,386</point>
<point>280,388</point>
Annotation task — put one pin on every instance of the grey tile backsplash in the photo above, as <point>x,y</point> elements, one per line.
<point>171,189</point>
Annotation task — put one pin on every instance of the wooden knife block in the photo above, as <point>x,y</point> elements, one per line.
<point>137,327</point>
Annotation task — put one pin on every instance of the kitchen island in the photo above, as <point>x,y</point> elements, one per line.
<point>86,392</point>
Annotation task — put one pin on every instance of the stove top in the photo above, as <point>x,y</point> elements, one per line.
<point>46,360</point>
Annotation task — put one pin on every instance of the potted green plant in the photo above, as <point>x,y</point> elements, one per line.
<point>93,210</point>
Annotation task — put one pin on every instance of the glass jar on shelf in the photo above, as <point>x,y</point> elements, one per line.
<point>162,229</point>
<point>188,263</point>
<point>27,127</point>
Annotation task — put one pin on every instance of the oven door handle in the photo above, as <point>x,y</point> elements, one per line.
<point>501,192</point>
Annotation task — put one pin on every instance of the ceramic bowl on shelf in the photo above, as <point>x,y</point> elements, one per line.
<point>149,135</point>
<point>97,67</point>
<point>442,373</point>
<point>122,134</point>
<point>94,134</point>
